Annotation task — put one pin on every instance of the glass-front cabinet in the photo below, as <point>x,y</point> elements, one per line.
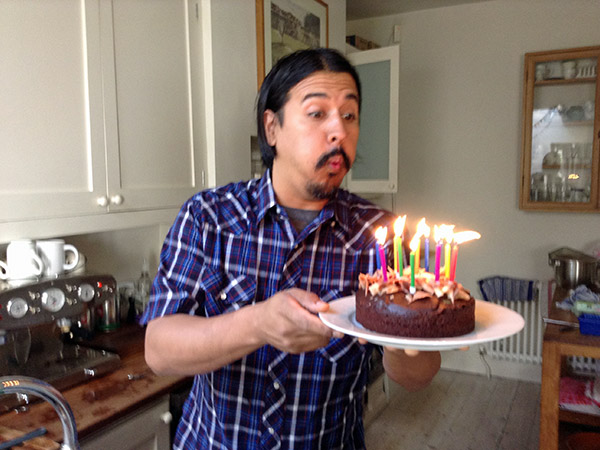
<point>561,131</point>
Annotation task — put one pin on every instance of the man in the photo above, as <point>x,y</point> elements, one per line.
<point>246,268</point>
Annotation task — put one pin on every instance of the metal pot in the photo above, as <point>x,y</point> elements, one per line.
<point>572,268</point>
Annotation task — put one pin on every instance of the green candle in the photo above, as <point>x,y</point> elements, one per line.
<point>412,271</point>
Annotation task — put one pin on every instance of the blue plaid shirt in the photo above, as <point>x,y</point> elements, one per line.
<point>233,246</point>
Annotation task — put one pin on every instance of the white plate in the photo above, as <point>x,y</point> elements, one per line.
<point>492,322</point>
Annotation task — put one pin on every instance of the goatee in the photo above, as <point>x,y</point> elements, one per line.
<point>321,191</point>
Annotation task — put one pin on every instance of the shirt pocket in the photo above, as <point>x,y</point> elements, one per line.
<point>225,291</point>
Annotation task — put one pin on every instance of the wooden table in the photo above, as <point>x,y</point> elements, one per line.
<point>561,341</point>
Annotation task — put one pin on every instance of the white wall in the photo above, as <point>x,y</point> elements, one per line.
<point>461,71</point>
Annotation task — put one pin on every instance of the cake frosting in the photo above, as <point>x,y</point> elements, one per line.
<point>442,308</point>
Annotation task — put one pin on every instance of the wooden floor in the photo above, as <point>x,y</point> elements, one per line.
<point>459,411</point>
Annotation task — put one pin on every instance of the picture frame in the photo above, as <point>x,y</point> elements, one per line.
<point>284,26</point>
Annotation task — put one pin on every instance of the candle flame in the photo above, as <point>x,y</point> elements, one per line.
<point>399,225</point>
<point>465,236</point>
<point>381,235</point>
<point>423,229</point>
<point>415,242</point>
<point>443,232</point>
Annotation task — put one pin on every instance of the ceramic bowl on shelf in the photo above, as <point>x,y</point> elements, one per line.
<point>575,113</point>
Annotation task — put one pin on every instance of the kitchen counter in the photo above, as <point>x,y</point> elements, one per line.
<point>104,400</point>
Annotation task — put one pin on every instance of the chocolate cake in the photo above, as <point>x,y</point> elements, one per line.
<point>435,309</point>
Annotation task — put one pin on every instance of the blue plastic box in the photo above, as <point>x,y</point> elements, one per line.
<point>589,324</point>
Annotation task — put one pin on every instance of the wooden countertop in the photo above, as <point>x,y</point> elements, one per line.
<point>101,401</point>
<point>564,334</point>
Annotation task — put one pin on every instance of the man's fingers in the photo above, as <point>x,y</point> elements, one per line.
<point>309,301</point>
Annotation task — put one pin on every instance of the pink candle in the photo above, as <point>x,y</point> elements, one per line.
<point>453,262</point>
<point>438,256</point>
<point>383,263</point>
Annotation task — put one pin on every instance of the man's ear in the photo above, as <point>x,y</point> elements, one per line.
<point>270,122</point>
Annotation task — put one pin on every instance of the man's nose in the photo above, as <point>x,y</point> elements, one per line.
<point>336,129</point>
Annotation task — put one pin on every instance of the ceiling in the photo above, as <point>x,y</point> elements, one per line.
<point>362,9</point>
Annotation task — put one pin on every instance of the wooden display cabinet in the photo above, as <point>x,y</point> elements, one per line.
<point>561,131</point>
<point>561,342</point>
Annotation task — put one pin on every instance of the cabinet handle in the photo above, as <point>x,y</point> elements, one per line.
<point>116,199</point>
<point>102,201</point>
<point>166,417</point>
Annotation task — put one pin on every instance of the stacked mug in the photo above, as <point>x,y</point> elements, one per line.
<point>28,261</point>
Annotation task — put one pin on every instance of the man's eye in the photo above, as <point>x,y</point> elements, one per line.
<point>349,116</point>
<point>316,114</point>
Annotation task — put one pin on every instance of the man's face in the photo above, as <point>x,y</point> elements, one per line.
<point>316,143</point>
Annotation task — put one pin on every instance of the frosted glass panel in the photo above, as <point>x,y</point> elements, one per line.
<point>372,158</point>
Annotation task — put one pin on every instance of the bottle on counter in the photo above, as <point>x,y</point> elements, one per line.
<point>142,288</point>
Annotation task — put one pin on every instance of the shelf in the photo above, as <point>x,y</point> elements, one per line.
<point>579,418</point>
<point>559,81</point>
<point>565,167</point>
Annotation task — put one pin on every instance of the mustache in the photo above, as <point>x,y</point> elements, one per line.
<point>330,154</point>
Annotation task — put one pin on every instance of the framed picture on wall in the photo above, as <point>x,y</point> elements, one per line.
<point>284,26</point>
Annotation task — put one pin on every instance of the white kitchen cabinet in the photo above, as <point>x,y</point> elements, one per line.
<point>100,110</point>
<point>148,429</point>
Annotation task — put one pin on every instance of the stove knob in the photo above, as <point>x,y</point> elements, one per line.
<point>53,299</point>
<point>17,307</point>
<point>86,292</point>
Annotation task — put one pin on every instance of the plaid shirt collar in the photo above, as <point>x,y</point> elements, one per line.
<point>264,198</point>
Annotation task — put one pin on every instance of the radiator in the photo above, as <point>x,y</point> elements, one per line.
<point>525,346</point>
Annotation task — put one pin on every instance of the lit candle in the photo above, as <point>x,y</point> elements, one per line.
<point>459,238</point>
<point>421,228</point>
<point>398,232</point>
<point>447,231</point>
<point>381,235</point>
<point>426,231</point>
<point>453,261</point>
<point>414,244</point>
<point>437,236</point>
<point>447,251</point>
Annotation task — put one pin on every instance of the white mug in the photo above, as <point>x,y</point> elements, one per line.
<point>22,261</point>
<point>53,253</point>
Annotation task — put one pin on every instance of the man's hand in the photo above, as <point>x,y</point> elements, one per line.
<point>289,321</point>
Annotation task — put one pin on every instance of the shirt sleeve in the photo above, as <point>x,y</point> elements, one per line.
<point>176,287</point>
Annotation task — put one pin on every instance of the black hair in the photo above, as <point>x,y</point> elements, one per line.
<point>287,73</point>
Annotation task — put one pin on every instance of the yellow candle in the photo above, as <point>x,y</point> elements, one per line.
<point>447,250</point>
<point>396,257</point>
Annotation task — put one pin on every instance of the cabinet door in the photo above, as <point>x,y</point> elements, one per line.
<point>375,169</point>
<point>561,130</point>
<point>52,136</point>
<point>148,429</point>
<point>149,108</point>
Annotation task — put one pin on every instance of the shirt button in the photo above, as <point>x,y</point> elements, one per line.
<point>271,430</point>
<point>276,385</point>
<point>223,295</point>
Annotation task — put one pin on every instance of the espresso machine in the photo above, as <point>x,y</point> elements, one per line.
<point>45,327</point>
